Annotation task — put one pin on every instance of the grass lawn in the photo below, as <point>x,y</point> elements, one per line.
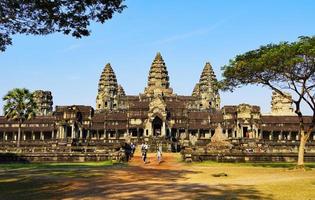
<point>54,165</point>
<point>262,164</point>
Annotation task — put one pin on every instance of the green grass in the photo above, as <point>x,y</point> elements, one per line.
<point>55,165</point>
<point>265,164</point>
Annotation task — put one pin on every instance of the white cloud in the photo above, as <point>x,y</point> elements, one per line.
<point>198,32</point>
<point>71,47</point>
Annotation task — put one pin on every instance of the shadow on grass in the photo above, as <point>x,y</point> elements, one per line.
<point>11,166</point>
<point>133,182</point>
<point>265,164</point>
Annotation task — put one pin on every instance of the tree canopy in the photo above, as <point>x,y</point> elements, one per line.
<point>19,106</point>
<point>283,67</point>
<point>42,17</point>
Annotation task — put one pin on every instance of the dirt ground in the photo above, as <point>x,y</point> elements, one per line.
<point>169,180</point>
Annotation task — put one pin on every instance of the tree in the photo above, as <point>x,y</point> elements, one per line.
<point>19,106</point>
<point>283,67</point>
<point>46,16</point>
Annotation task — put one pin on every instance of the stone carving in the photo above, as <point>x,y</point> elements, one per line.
<point>44,102</point>
<point>196,91</point>
<point>219,140</point>
<point>281,105</point>
<point>108,90</point>
<point>206,90</point>
<point>121,91</point>
<point>157,108</point>
<point>158,80</point>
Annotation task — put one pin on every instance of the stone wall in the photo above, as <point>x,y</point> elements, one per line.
<point>250,151</point>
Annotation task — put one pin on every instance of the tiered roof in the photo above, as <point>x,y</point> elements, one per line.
<point>44,102</point>
<point>108,82</point>
<point>121,91</point>
<point>208,80</point>
<point>158,77</point>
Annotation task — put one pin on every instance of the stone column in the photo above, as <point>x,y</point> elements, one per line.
<point>88,134</point>
<point>271,135</point>
<point>186,134</point>
<point>97,135</point>
<point>52,135</point>
<point>5,136</point>
<point>169,132</point>
<point>41,135</point>
<point>80,133</point>
<point>289,135</point>
<point>23,135</point>
<point>198,133</point>
<point>150,130</point>
<point>116,133</point>
<point>163,130</point>
<point>72,131</point>
<point>33,135</point>
<point>281,135</point>
<point>313,136</point>
<point>14,136</point>
<point>60,133</point>
<point>106,134</point>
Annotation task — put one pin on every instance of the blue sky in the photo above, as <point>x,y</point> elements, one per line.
<point>187,33</point>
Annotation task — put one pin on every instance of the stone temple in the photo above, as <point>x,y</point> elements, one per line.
<point>156,114</point>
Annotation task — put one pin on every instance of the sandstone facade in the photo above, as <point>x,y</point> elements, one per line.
<point>156,114</point>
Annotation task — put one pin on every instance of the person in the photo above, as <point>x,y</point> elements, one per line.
<point>127,149</point>
<point>159,153</point>
<point>133,148</point>
<point>144,149</point>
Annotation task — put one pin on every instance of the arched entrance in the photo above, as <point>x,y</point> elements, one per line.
<point>157,126</point>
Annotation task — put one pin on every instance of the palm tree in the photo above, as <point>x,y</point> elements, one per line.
<point>19,106</point>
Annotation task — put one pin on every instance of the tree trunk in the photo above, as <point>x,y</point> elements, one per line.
<point>18,136</point>
<point>303,138</point>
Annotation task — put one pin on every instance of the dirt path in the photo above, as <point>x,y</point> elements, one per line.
<point>170,179</point>
<point>169,161</point>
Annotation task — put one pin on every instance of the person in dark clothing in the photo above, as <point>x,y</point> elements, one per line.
<point>133,148</point>
<point>128,151</point>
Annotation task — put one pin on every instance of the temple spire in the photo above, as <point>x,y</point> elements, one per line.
<point>121,91</point>
<point>207,79</point>
<point>196,90</point>
<point>158,79</point>
<point>206,90</point>
<point>108,81</point>
<point>107,88</point>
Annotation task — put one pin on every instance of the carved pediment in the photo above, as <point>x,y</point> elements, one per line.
<point>157,107</point>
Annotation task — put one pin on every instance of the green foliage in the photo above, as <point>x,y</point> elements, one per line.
<point>19,105</point>
<point>279,66</point>
<point>45,17</point>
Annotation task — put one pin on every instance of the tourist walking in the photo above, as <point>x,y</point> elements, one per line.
<point>159,153</point>
<point>128,150</point>
<point>133,148</point>
<point>144,150</point>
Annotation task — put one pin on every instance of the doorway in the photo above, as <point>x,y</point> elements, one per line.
<point>157,126</point>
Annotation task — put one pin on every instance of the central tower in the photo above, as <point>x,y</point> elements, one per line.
<point>158,80</point>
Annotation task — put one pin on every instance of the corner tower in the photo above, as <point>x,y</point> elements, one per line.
<point>44,102</point>
<point>158,80</point>
<point>206,90</point>
<point>108,90</point>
